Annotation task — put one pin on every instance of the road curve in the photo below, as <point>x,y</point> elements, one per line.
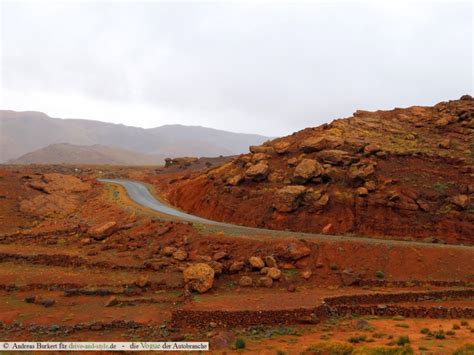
<point>140,194</point>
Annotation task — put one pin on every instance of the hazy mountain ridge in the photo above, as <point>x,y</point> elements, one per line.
<point>79,154</point>
<point>25,132</point>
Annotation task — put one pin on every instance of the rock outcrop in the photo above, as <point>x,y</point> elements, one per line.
<point>356,174</point>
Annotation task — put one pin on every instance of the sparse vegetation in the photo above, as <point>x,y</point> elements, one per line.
<point>330,348</point>
<point>240,343</point>
<point>439,334</point>
<point>467,349</point>
<point>424,331</point>
<point>440,187</point>
<point>402,340</point>
<point>379,274</point>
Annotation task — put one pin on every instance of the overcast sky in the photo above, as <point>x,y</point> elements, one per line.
<point>262,68</point>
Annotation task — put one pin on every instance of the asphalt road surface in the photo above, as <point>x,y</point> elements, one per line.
<point>140,194</point>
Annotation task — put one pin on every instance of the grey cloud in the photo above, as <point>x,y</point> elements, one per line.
<point>266,68</point>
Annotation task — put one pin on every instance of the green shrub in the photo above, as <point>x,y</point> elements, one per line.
<point>450,332</point>
<point>240,343</point>
<point>379,274</point>
<point>402,340</point>
<point>456,326</point>
<point>439,334</point>
<point>334,267</point>
<point>424,331</point>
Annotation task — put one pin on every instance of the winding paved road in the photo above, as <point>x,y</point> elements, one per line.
<point>140,194</point>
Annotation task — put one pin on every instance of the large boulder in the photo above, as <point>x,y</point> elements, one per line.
<point>258,172</point>
<point>256,262</point>
<point>259,156</point>
<point>235,180</point>
<point>361,172</point>
<point>288,198</point>
<point>335,157</point>
<point>315,144</point>
<point>306,170</point>
<point>103,230</point>
<point>199,277</point>
<point>297,250</point>
<point>281,147</point>
<point>261,149</point>
<point>461,201</point>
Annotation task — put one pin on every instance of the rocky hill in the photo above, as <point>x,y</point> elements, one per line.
<point>24,132</point>
<point>406,173</point>
<point>65,153</point>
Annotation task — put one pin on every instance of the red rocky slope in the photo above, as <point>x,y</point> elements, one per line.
<point>405,173</point>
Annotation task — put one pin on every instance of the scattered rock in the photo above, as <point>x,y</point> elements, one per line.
<point>297,250</point>
<point>371,149</point>
<point>220,255</point>
<point>349,277</point>
<point>261,149</point>
<point>259,156</point>
<point>199,277</point>
<point>112,301</point>
<point>102,230</point>
<point>335,157</point>
<point>306,170</point>
<point>288,198</point>
<point>222,340</point>
<point>30,299</point>
<point>256,262</point>
<point>180,255</point>
<point>370,185</point>
<point>258,172</point>
<point>245,281</point>
<point>273,273</point>
<point>217,267</point>
<point>168,251</point>
<point>281,147</point>
<point>461,201</point>
<point>47,302</point>
<point>362,324</point>
<point>328,229</point>
<point>315,144</point>
<point>265,281</point>
<point>424,206</point>
<point>362,191</point>
<point>237,266</point>
<point>142,281</point>
<point>270,261</point>
<point>445,143</point>
<point>292,161</point>
<point>235,180</point>
<point>306,274</point>
<point>291,288</point>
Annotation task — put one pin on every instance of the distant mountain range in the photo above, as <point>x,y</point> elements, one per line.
<point>65,153</point>
<point>34,137</point>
